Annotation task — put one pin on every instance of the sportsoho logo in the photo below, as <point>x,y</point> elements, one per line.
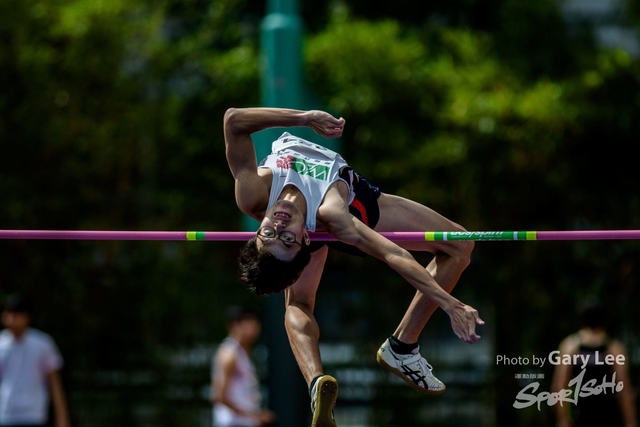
<point>527,397</point>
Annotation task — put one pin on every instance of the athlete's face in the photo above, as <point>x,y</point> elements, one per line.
<point>282,231</point>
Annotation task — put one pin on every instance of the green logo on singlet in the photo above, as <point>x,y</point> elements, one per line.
<point>313,170</point>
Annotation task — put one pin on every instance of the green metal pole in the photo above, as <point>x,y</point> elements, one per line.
<point>282,86</point>
<point>281,61</point>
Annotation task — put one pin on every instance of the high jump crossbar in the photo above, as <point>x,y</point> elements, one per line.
<point>226,236</point>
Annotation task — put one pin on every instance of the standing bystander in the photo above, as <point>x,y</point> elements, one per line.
<point>30,366</point>
<point>235,388</point>
<point>593,344</point>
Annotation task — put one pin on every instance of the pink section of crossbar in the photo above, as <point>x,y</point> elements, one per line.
<point>166,235</point>
<point>246,235</point>
<point>118,235</point>
<point>589,235</point>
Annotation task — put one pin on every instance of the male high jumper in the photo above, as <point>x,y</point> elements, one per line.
<point>303,187</point>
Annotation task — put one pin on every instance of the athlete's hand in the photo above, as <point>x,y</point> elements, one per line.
<point>464,319</point>
<point>324,124</point>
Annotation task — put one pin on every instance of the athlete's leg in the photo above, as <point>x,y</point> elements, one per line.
<point>400,353</point>
<point>451,258</point>
<point>304,333</point>
<point>301,325</point>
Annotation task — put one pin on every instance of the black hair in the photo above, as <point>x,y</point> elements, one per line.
<point>18,304</point>
<point>236,313</point>
<point>593,315</point>
<point>265,274</point>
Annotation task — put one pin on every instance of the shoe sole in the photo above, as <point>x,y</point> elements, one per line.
<point>325,400</point>
<point>399,373</point>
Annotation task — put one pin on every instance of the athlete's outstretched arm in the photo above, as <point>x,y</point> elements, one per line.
<point>240,123</point>
<point>351,231</point>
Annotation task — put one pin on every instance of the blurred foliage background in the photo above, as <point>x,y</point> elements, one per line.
<point>500,114</point>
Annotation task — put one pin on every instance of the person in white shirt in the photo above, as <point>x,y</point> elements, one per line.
<point>234,383</point>
<point>30,366</point>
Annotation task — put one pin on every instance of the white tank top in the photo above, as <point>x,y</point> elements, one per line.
<point>243,390</point>
<point>312,168</point>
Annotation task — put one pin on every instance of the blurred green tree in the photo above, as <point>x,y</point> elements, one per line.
<point>110,117</point>
<point>440,116</point>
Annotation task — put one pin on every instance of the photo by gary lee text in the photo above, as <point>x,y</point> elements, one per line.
<point>555,358</point>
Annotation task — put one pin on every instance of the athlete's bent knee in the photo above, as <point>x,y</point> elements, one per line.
<point>463,249</point>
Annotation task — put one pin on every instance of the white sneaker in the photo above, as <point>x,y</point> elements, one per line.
<point>413,368</point>
<point>323,399</point>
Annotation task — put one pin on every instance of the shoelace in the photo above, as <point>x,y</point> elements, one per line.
<point>417,358</point>
<point>425,365</point>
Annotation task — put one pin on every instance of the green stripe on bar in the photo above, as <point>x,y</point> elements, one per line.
<point>479,235</point>
<point>195,235</point>
<point>436,235</point>
<point>482,235</point>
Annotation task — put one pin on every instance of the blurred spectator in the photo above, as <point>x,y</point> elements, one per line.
<point>592,341</point>
<point>29,371</point>
<point>235,388</point>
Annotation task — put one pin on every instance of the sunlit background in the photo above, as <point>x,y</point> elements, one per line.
<point>499,114</point>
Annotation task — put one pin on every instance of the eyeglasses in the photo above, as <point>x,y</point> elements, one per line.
<point>287,237</point>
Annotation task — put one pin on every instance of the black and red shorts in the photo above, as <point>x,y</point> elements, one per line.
<point>364,207</point>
